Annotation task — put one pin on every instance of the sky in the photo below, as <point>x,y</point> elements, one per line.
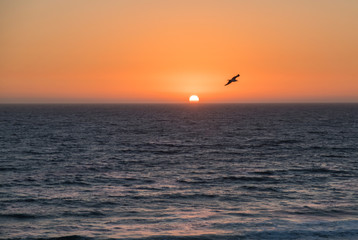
<point>164,51</point>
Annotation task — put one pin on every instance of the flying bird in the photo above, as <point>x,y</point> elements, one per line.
<point>232,79</point>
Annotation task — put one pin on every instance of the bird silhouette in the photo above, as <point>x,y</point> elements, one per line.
<point>232,79</point>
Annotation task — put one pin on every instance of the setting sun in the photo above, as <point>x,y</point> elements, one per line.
<point>194,98</point>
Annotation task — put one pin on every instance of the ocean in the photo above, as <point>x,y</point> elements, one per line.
<point>179,171</point>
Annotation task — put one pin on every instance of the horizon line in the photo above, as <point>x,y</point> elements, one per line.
<point>174,103</point>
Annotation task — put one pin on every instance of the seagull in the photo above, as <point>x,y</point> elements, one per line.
<point>232,79</point>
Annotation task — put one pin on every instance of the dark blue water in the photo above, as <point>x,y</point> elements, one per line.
<point>179,171</point>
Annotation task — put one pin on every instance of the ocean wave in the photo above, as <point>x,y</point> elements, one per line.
<point>319,170</point>
<point>24,216</point>
<point>325,212</point>
<point>84,214</point>
<point>341,234</point>
<point>313,170</point>
<point>247,179</point>
<point>153,151</point>
<point>275,142</point>
<point>229,179</point>
<point>68,182</point>
<point>8,169</point>
<point>70,237</point>
<point>261,188</point>
<point>350,234</point>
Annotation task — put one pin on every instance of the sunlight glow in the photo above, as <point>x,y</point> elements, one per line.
<point>194,98</point>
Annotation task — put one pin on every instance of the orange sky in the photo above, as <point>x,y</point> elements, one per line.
<point>164,51</point>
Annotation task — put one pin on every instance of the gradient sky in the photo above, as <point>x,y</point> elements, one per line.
<point>166,50</point>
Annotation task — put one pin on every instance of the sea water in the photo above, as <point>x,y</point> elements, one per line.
<point>190,171</point>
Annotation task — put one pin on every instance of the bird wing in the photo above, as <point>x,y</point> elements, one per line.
<point>228,82</point>
<point>238,75</point>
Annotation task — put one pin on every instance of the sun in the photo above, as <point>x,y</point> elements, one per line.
<point>194,98</point>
